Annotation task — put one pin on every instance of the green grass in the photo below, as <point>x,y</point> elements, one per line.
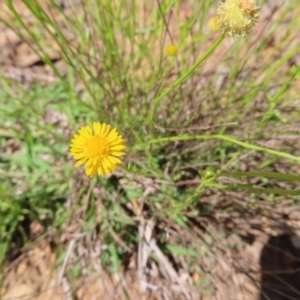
<point>180,121</point>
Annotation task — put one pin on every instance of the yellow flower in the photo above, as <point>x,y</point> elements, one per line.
<point>99,150</point>
<point>237,17</point>
<point>171,50</point>
<point>213,24</point>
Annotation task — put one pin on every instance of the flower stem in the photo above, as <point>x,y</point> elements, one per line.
<point>184,77</point>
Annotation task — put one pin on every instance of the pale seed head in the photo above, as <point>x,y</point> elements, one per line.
<point>213,24</point>
<point>237,17</point>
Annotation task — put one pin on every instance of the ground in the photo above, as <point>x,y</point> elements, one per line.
<point>245,255</point>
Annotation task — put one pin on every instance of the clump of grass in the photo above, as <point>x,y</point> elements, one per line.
<point>196,124</point>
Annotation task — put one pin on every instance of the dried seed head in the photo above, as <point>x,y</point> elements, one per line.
<point>237,17</point>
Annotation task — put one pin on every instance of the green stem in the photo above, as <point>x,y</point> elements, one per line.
<point>184,77</point>
<point>228,139</point>
<point>275,100</point>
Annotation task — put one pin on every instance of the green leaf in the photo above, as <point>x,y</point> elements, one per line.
<point>177,250</point>
<point>264,174</point>
<point>227,138</point>
<point>114,257</point>
<point>256,190</point>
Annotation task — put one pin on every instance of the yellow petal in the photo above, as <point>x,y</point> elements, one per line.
<point>104,129</point>
<point>113,160</point>
<point>78,155</point>
<point>91,171</point>
<point>112,136</point>
<point>118,147</point>
<point>117,141</point>
<point>97,127</point>
<point>100,171</point>
<point>80,162</point>
<point>85,132</point>
<point>89,163</point>
<point>117,153</point>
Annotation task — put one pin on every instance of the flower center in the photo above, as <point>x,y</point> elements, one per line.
<point>97,146</point>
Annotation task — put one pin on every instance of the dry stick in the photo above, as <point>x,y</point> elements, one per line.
<point>170,270</point>
<point>62,270</point>
<point>144,251</point>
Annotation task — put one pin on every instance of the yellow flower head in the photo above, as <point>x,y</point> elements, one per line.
<point>171,50</point>
<point>237,17</point>
<point>99,150</point>
<point>213,24</point>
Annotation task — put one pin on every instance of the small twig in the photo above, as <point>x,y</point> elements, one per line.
<point>168,267</point>
<point>145,232</point>
<point>62,270</point>
<point>119,241</point>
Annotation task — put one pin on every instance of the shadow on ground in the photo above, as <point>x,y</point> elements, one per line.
<point>280,265</point>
